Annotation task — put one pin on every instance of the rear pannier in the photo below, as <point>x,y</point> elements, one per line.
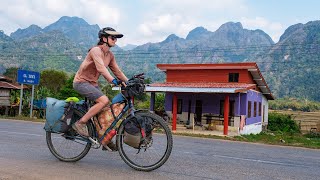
<point>58,115</point>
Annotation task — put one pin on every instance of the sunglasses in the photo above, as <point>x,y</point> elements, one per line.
<point>113,38</point>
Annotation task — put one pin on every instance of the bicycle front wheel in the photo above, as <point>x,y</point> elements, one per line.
<point>152,155</point>
<point>69,146</point>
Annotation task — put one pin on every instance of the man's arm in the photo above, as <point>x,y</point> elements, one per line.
<point>116,70</point>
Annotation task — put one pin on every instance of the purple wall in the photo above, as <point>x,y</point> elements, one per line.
<point>243,104</point>
<point>210,102</point>
<point>253,96</point>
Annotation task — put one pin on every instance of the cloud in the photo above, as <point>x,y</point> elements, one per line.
<point>162,24</point>
<point>273,29</point>
<point>21,13</point>
<point>141,21</point>
<point>181,16</point>
<point>193,6</point>
<point>158,28</point>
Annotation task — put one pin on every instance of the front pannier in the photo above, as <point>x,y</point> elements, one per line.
<point>132,132</point>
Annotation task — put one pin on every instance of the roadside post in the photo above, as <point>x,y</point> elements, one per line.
<point>31,78</point>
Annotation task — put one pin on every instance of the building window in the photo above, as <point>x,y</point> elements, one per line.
<point>255,109</point>
<point>259,108</point>
<point>233,77</point>
<point>249,109</point>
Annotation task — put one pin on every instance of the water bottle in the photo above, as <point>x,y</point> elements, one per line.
<point>108,137</point>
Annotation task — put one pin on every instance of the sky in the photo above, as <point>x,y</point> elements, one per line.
<point>143,21</point>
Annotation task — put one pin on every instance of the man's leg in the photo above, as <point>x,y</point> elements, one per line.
<point>80,126</point>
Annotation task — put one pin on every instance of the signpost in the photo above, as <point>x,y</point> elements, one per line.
<point>27,77</point>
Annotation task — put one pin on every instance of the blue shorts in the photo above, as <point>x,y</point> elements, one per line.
<point>88,90</point>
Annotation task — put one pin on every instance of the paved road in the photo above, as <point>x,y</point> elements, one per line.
<point>24,155</point>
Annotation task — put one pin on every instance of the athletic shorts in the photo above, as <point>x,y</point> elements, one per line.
<point>88,90</point>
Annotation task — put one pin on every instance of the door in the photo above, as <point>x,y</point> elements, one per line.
<point>189,111</point>
<point>198,112</point>
<point>231,111</point>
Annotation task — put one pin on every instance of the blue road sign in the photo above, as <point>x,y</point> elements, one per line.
<point>28,77</point>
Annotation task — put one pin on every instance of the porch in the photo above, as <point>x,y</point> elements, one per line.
<point>183,129</point>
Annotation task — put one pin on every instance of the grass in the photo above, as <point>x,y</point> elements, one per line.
<point>273,138</point>
<point>286,139</point>
<point>23,118</point>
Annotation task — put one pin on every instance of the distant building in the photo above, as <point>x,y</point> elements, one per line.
<point>228,96</point>
<point>6,86</point>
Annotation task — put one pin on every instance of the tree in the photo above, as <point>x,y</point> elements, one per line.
<point>11,73</point>
<point>67,90</point>
<point>53,80</point>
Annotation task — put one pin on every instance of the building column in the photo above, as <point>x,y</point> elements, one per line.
<point>226,114</point>
<point>174,112</point>
<point>152,101</point>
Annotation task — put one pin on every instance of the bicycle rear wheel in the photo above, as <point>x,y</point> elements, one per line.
<point>157,151</point>
<point>69,146</point>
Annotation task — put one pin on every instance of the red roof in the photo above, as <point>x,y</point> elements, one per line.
<point>205,85</point>
<point>246,65</point>
<point>200,87</point>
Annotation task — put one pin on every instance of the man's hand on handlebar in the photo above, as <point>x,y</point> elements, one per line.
<point>116,82</point>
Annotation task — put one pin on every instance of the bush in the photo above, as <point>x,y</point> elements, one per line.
<point>282,122</point>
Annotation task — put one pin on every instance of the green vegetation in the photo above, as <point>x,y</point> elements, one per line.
<point>282,123</point>
<point>281,138</point>
<point>283,130</point>
<point>294,104</point>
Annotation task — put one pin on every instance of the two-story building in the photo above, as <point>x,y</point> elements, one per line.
<point>226,96</point>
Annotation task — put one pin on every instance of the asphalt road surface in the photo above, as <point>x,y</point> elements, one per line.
<point>24,155</point>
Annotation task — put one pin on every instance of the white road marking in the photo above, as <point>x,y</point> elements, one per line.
<point>19,133</point>
<point>251,160</point>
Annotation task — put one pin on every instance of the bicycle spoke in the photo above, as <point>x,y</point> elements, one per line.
<point>69,146</point>
<point>153,155</point>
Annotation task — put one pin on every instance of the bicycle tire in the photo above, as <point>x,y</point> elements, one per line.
<point>163,158</point>
<point>66,141</point>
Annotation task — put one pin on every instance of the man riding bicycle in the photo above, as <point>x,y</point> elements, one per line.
<point>95,64</point>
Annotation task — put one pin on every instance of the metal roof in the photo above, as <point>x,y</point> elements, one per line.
<point>7,85</point>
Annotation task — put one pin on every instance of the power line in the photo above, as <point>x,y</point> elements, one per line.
<point>216,48</point>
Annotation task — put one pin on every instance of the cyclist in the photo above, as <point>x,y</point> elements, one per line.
<point>98,59</point>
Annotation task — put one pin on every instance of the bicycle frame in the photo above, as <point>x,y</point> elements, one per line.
<point>128,106</point>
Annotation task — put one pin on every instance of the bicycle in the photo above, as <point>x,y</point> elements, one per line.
<point>155,145</point>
